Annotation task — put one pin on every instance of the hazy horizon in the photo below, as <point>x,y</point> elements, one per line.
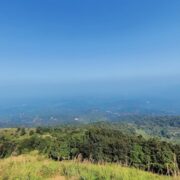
<point>89,48</point>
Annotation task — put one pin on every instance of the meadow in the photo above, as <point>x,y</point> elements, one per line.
<point>33,166</point>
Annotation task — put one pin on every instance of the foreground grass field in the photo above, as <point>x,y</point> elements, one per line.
<point>36,167</point>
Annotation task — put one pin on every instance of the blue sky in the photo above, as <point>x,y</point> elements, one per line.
<point>83,45</point>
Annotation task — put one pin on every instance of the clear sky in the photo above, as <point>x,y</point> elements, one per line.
<point>53,46</point>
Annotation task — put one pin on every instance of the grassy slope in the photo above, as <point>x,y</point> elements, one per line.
<point>35,167</point>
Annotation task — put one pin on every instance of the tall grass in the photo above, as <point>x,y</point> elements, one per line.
<point>36,167</point>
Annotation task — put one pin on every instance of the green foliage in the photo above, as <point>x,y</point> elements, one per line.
<point>137,155</point>
<point>31,132</point>
<point>22,131</point>
<point>97,143</point>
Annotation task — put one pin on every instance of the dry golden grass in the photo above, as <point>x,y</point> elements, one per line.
<point>36,167</point>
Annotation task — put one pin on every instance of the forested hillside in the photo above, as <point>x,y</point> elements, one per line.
<point>96,143</point>
<point>164,127</point>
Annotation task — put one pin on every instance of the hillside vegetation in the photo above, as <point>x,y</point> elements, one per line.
<point>36,167</point>
<point>95,143</point>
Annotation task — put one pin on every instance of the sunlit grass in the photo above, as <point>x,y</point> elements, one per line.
<point>36,167</point>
